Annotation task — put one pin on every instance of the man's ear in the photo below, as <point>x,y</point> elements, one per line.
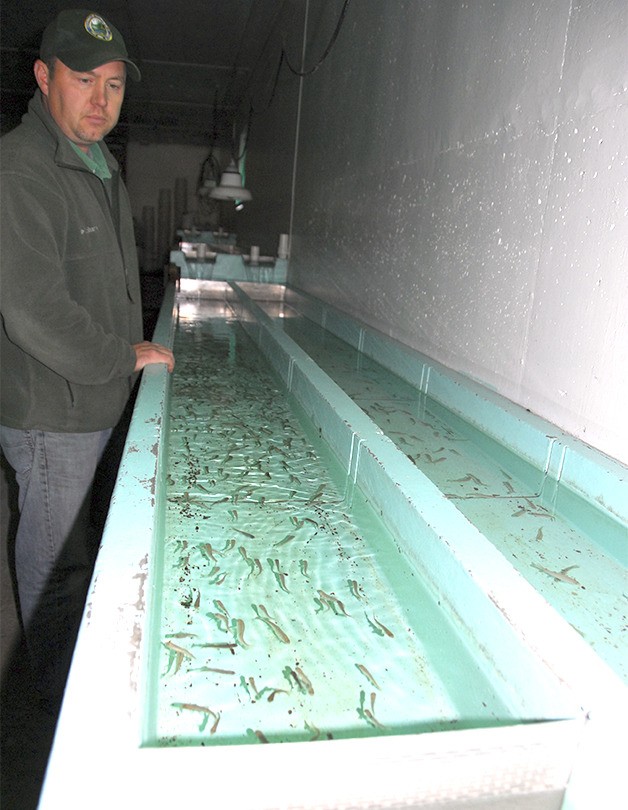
<point>42,75</point>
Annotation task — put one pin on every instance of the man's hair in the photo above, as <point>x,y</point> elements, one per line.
<point>51,64</point>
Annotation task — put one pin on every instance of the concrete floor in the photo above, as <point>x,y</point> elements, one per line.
<point>26,731</point>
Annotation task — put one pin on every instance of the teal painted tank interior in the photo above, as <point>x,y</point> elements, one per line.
<point>572,553</point>
<point>287,612</point>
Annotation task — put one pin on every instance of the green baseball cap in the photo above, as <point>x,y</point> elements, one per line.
<point>84,40</point>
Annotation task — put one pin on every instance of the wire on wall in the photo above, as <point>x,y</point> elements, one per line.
<point>238,154</point>
<point>283,59</point>
<point>327,50</point>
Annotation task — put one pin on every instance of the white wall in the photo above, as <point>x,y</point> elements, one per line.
<point>151,167</point>
<point>462,185</point>
<point>269,167</point>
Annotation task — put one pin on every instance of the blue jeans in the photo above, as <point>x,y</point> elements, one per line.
<point>54,547</point>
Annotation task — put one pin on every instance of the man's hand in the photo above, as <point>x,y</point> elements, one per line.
<point>147,353</point>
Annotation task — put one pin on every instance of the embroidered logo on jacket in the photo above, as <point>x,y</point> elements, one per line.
<point>89,229</point>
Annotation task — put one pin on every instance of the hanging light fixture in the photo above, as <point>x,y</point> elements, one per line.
<point>207,186</point>
<point>230,187</point>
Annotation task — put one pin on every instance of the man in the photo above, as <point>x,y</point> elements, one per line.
<point>71,337</point>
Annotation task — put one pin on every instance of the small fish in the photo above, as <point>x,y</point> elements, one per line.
<point>286,539</point>
<point>221,617</point>
<point>355,589</point>
<point>274,693</point>
<point>296,676</point>
<point>469,477</point>
<point>331,601</point>
<point>194,707</point>
<point>237,628</point>
<point>368,714</point>
<point>271,623</point>
<point>177,655</point>
<point>538,511</point>
<point>218,645</point>
<point>215,669</point>
<point>539,535</point>
<point>315,732</point>
<point>246,534</point>
<point>378,628</point>
<point>367,675</point>
<point>303,568</point>
<point>250,562</point>
<point>307,683</point>
<point>317,495</point>
<point>434,460</point>
<point>222,621</point>
<point>170,645</point>
<point>313,522</point>
<point>278,574</point>
<point>220,606</point>
<point>181,634</point>
<point>246,685</point>
<point>560,576</point>
<point>388,632</point>
<point>259,735</point>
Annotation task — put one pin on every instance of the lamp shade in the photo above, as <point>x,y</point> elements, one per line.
<point>230,187</point>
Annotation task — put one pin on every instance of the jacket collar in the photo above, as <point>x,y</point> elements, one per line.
<point>64,153</point>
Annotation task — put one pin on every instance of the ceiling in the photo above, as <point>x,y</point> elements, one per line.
<point>198,60</point>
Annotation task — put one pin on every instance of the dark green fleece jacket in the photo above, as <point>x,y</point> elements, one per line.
<point>69,295</point>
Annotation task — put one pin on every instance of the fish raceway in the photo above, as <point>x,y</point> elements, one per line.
<point>337,575</point>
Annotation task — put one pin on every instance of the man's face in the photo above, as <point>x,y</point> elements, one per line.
<point>86,105</point>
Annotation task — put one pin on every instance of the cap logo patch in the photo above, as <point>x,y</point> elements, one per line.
<point>98,28</point>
